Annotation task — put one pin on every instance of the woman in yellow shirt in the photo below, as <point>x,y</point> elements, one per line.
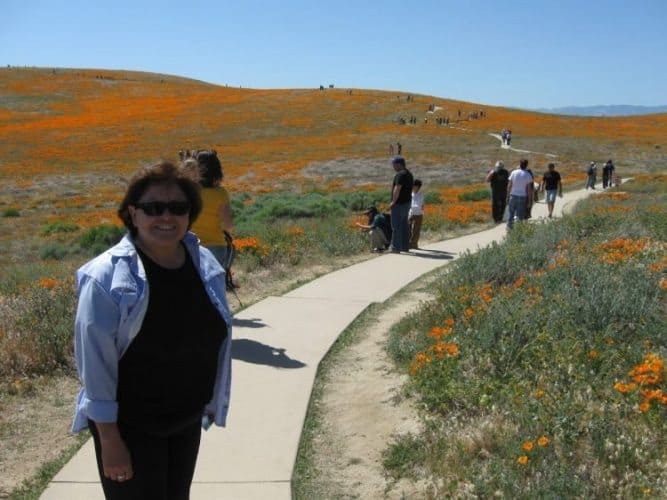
<point>216,216</point>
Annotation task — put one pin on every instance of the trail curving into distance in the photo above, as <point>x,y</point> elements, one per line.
<point>505,146</point>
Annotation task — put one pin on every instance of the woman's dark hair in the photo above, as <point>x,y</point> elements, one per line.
<point>167,173</point>
<point>417,182</point>
<point>210,169</point>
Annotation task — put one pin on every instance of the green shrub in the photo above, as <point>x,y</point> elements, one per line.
<point>40,320</point>
<point>59,227</point>
<point>54,251</point>
<point>432,198</point>
<point>10,212</point>
<point>98,238</point>
<point>404,456</point>
<point>477,195</point>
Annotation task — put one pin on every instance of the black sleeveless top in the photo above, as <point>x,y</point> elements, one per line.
<point>167,374</point>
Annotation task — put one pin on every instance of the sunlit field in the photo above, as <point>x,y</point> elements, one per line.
<point>301,165</point>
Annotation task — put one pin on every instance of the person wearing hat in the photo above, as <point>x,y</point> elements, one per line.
<point>401,198</point>
<point>591,173</point>
<point>498,177</point>
<point>377,228</point>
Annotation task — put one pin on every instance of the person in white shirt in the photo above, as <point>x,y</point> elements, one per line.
<point>416,214</point>
<point>519,190</point>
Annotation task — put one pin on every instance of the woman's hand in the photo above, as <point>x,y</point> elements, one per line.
<point>116,459</point>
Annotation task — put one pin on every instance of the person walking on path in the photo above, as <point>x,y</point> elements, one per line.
<point>401,198</point>
<point>154,371</point>
<point>498,178</point>
<point>591,173</point>
<point>399,147</point>
<point>416,215</point>
<point>377,229</point>
<point>520,189</point>
<point>551,183</point>
<point>607,174</point>
<point>531,200</point>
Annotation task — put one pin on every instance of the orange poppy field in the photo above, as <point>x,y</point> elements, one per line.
<point>71,137</point>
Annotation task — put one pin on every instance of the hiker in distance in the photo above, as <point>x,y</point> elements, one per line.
<point>591,173</point>
<point>401,198</point>
<point>551,183</point>
<point>520,190</point>
<point>498,177</point>
<point>153,372</point>
<point>608,174</point>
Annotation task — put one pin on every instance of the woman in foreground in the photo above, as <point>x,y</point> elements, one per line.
<point>152,342</point>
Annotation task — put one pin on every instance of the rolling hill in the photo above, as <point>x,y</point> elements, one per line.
<point>71,136</point>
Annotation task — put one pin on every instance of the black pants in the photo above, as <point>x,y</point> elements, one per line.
<point>498,202</point>
<point>163,465</point>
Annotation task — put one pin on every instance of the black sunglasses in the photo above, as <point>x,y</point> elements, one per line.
<point>155,208</point>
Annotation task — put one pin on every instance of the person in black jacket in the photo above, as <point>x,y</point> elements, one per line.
<point>401,198</point>
<point>498,177</point>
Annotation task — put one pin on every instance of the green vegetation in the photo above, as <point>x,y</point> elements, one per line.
<point>54,250</point>
<point>98,238</point>
<point>59,227</point>
<point>10,212</point>
<point>405,456</point>
<point>477,195</point>
<point>540,364</point>
<point>38,321</point>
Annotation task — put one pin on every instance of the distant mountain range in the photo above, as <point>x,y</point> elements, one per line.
<point>605,110</point>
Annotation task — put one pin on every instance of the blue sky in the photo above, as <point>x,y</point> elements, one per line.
<point>512,52</point>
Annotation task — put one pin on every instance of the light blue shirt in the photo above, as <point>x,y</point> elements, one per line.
<point>113,298</point>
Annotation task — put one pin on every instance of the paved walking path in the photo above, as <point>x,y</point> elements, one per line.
<point>278,344</point>
<point>507,146</point>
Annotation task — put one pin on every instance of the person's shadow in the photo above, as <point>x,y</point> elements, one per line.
<point>255,352</point>
<point>432,254</point>
<point>248,323</point>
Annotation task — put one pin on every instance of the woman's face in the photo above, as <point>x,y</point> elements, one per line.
<point>164,231</point>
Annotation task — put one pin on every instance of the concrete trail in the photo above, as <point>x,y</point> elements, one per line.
<point>278,344</point>
<point>507,146</point>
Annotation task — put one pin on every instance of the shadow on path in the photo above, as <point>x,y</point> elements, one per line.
<point>432,254</point>
<point>248,323</point>
<point>257,353</point>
